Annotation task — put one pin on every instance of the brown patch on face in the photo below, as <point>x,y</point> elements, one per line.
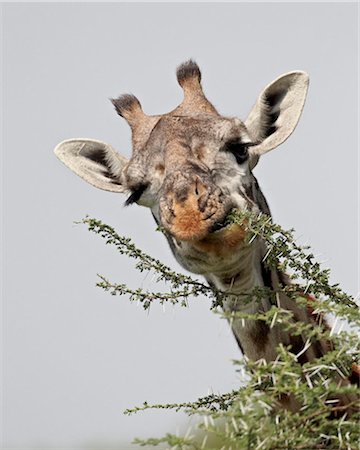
<point>188,222</point>
<point>160,168</point>
<point>222,242</point>
<point>190,209</point>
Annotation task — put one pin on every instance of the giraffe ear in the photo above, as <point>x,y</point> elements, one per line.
<point>277,112</point>
<point>94,161</point>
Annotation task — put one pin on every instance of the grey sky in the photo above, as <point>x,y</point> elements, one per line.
<point>75,357</point>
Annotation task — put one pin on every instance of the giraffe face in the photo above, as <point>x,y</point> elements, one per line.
<point>191,172</point>
<point>192,166</point>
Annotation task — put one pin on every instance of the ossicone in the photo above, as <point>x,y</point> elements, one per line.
<point>188,71</point>
<point>128,107</point>
<point>189,77</point>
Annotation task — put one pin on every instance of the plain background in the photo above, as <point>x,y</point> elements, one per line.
<point>75,357</point>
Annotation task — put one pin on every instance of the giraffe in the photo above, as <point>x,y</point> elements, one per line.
<point>190,167</point>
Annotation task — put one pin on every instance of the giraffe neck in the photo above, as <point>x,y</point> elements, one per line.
<point>255,338</point>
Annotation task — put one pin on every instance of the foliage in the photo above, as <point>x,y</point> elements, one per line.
<point>250,417</point>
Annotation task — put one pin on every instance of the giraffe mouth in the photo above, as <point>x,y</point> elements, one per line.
<point>227,237</point>
<point>223,236</point>
<point>220,225</point>
<point>223,223</point>
<point>186,221</point>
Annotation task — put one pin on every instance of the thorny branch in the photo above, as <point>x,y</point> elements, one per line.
<point>249,418</point>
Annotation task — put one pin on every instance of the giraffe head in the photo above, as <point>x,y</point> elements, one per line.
<point>192,166</point>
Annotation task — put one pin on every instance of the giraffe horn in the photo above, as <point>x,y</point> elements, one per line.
<point>129,107</point>
<point>189,77</point>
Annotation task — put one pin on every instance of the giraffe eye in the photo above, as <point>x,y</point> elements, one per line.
<point>136,193</point>
<point>238,149</point>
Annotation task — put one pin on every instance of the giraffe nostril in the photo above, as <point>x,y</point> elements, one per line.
<point>196,186</point>
<point>199,187</point>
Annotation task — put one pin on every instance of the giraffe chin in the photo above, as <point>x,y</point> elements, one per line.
<point>223,241</point>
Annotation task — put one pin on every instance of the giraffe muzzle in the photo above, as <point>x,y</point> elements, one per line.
<point>190,212</point>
